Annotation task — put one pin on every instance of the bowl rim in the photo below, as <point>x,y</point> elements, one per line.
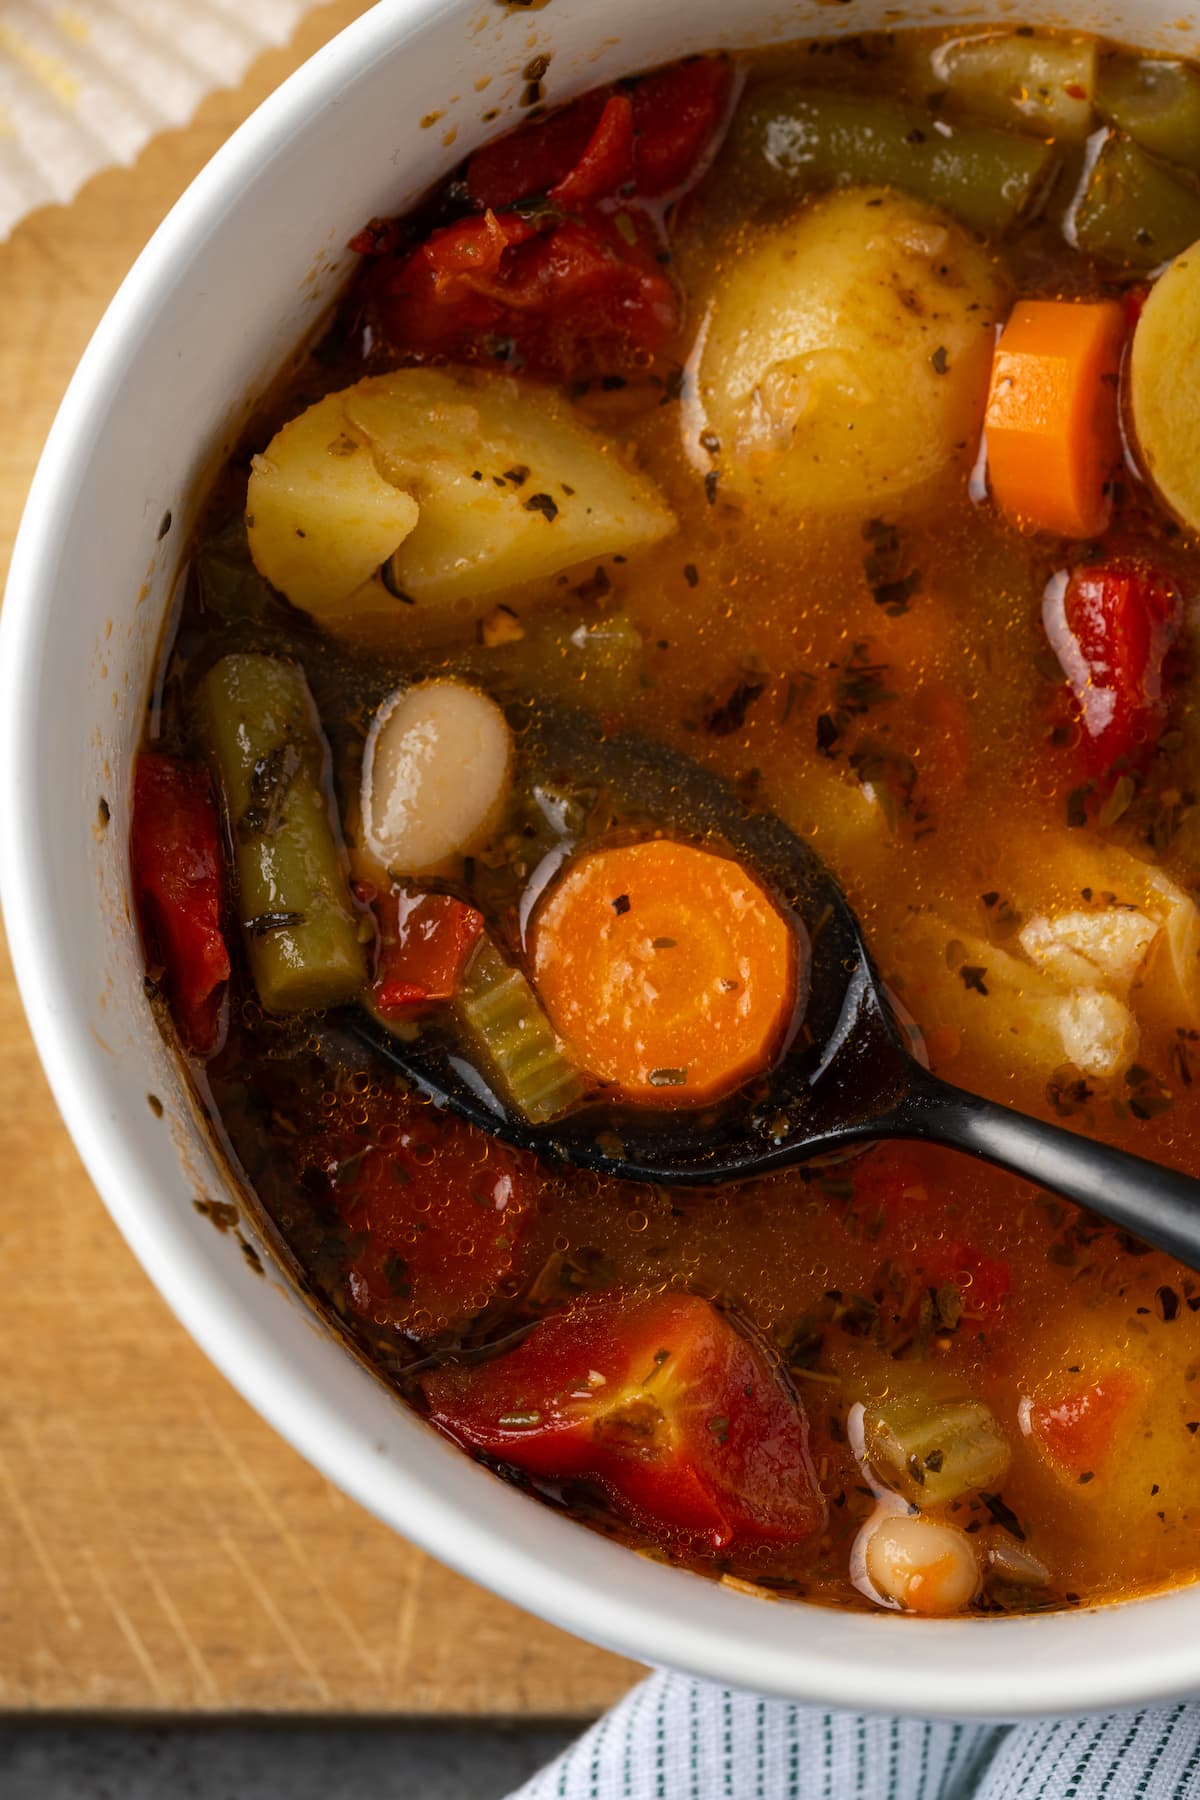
<point>869,1673</point>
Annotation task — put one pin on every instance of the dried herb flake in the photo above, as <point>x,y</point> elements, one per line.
<point>544,504</point>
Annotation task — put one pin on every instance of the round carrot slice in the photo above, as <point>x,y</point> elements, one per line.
<point>668,970</point>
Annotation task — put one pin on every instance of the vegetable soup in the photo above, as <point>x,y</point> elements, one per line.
<point>831,417</point>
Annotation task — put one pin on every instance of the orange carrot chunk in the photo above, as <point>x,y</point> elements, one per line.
<point>667,969</point>
<point>1051,426</point>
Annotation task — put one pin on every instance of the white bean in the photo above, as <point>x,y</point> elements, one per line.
<point>921,1566</point>
<point>436,771</point>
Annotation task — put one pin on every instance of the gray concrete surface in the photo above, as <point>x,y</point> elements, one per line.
<point>228,1762</point>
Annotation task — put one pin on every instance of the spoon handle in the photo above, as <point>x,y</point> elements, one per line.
<point>1158,1205</point>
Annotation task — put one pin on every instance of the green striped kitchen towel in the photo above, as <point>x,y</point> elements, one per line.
<point>677,1739</point>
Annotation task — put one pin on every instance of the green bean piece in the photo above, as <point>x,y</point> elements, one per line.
<point>514,1039</point>
<point>1156,103</point>
<point>302,934</point>
<point>789,140</point>
<point>1044,85</point>
<point>935,1450</point>
<point>1131,209</point>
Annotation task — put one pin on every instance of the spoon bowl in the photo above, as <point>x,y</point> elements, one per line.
<point>847,1075</point>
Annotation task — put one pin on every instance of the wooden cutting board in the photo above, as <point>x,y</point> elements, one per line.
<point>161,1551</point>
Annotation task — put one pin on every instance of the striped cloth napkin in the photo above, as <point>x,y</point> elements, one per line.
<point>677,1739</point>
<point>85,84</point>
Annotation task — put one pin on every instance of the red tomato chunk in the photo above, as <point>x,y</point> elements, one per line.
<point>1111,625</point>
<point>661,1401</point>
<point>425,943</point>
<point>177,884</point>
<point>654,141</point>
<point>566,298</point>
<point>677,114</point>
<point>1078,1430</point>
<point>581,284</point>
<point>441,1212</point>
<point>607,159</point>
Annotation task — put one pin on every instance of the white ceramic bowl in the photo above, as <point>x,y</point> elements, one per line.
<point>243,266</point>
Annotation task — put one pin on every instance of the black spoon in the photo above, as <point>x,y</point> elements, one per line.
<point>848,1078</point>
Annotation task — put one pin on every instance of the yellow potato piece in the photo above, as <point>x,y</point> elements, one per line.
<point>843,362</point>
<point>1010,1013</point>
<point>465,483</point>
<point>1049,875</point>
<point>1164,376</point>
<point>1104,946</point>
<point>319,516</point>
<point>511,483</point>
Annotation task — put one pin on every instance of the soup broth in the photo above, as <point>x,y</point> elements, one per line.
<point>825,596</point>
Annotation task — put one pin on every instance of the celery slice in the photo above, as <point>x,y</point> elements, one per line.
<point>934,1451</point>
<point>513,1038</point>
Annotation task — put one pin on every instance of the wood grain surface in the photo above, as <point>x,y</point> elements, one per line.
<point>161,1551</point>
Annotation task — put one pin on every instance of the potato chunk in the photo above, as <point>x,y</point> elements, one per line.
<point>844,358</point>
<point>1007,1009</point>
<point>319,515</point>
<point>1164,386</point>
<point>1099,1033</point>
<point>491,483</point>
<point>1173,979</point>
<point>1106,946</point>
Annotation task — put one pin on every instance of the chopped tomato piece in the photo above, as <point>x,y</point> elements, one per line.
<point>177,884</point>
<point>593,147</point>
<point>533,159</point>
<point>467,257</point>
<point>662,1402</point>
<point>445,289</point>
<point>675,117</point>
<point>607,159</point>
<point>1111,625</point>
<point>579,295</point>
<point>425,942</point>
<point>442,1211</point>
<point>598,277</point>
<point>1079,1429</point>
